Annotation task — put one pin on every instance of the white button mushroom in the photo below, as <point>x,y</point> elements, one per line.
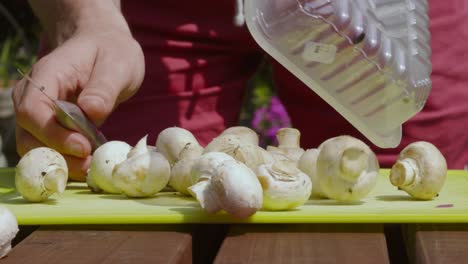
<point>308,164</point>
<point>288,145</point>
<point>171,141</point>
<point>205,166</point>
<point>284,185</point>
<point>247,135</point>
<point>180,147</point>
<point>144,173</point>
<point>234,146</point>
<point>181,177</point>
<point>40,173</point>
<point>233,188</point>
<point>347,169</point>
<point>104,159</point>
<point>420,170</point>
<point>8,230</point>
<point>187,171</point>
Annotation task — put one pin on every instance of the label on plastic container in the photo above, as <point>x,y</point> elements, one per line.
<point>319,52</point>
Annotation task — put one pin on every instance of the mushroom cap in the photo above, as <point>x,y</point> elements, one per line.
<point>8,230</point>
<point>246,134</point>
<point>190,151</point>
<point>285,153</point>
<point>171,141</point>
<point>284,185</point>
<point>308,164</point>
<point>205,166</point>
<point>181,175</point>
<point>347,168</point>
<point>431,169</point>
<point>249,154</point>
<point>40,173</point>
<point>253,156</point>
<point>227,143</point>
<point>237,188</point>
<point>103,162</point>
<point>142,175</point>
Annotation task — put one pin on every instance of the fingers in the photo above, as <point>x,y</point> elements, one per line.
<point>115,77</point>
<point>37,118</point>
<point>77,167</point>
<point>60,73</point>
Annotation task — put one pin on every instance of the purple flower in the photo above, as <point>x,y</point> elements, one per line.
<point>258,117</point>
<point>267,120</point>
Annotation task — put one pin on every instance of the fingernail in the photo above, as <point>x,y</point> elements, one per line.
<point>91,100</point>
<point>92,105</point>
<point>76,149</point>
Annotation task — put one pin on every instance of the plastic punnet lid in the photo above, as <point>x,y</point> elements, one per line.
<point>369,59</point>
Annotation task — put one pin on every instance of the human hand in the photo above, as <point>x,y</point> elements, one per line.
<point>94,69</point>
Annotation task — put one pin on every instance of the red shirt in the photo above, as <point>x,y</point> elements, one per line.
<point>198,63</point>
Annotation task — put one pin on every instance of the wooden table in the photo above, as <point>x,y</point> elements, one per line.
<point>241,243</point>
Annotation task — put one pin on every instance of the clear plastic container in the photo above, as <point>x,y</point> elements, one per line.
<point>369,59</point>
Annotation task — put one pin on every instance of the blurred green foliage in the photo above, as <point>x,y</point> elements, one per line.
<point>19,39</point>
<point>260,90</point>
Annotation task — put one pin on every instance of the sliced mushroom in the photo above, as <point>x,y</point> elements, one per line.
<point>144,173</point>
<point>104,159</point>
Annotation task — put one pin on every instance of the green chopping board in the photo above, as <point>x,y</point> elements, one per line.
<point>385,204</point>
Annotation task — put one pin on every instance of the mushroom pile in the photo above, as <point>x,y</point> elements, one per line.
<point>232,173</point>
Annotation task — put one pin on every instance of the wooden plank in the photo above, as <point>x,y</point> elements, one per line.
<point>24,231</point>
<point>304,244</point>
<point>100,245</point>
<point>437,243</point>
<point>396,248</point>
<point>206,241</point>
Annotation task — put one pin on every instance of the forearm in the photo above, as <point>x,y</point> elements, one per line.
<point>63,18</point>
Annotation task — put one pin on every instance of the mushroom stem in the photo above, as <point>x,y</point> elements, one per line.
<point>353,162</point>
<point>207,199</point>
<point>403,172</point>
<point>55,179</point>
<point>289,138</point>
